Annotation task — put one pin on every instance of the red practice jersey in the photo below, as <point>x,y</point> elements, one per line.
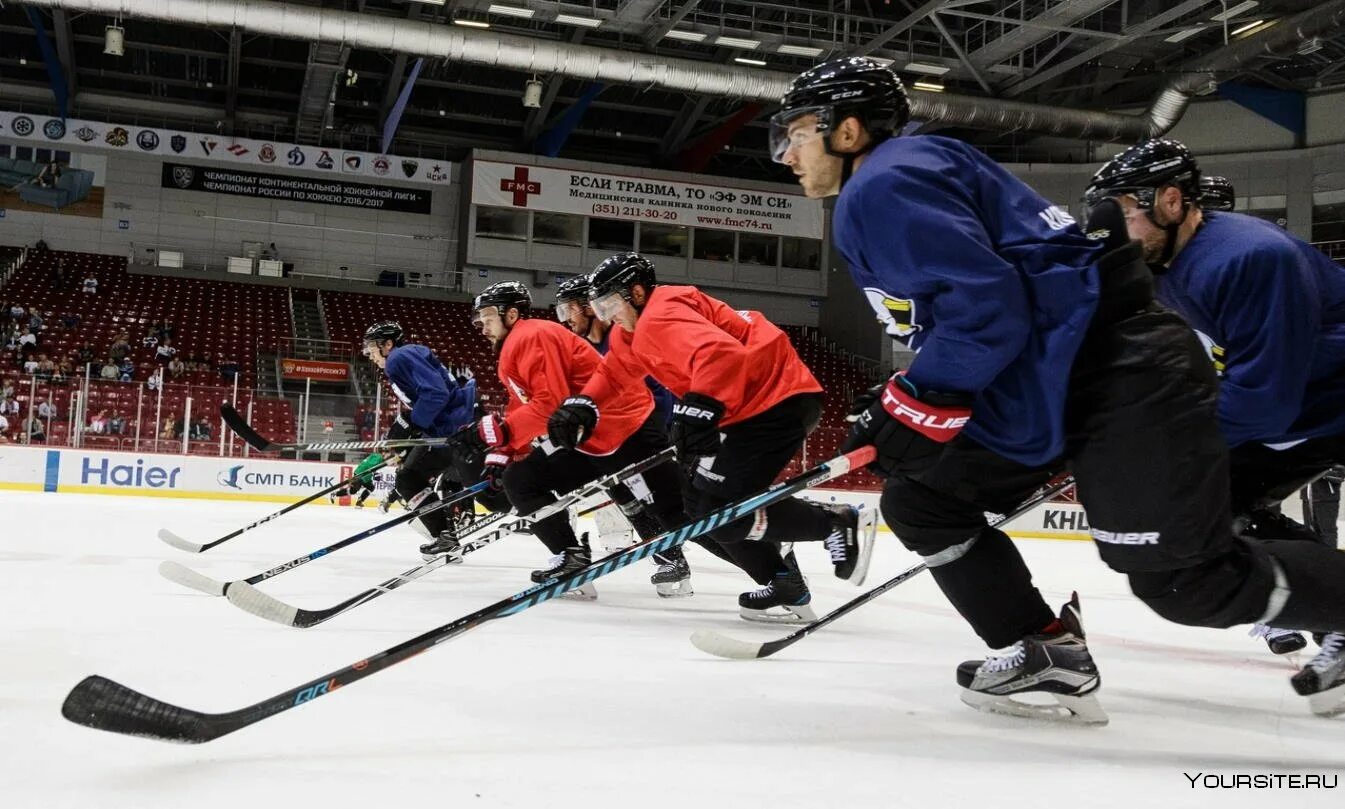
<point>691,342</point>
<point>542,364</point>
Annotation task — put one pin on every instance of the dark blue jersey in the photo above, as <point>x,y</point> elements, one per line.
<point>439,407</point>
<point>1270,310</point>
<point>991,284</point>
<point>663,398</point>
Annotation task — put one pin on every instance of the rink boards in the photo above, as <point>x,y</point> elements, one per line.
<point>38,469</point>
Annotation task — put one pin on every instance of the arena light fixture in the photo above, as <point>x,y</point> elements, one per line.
<point>472,23</point>
<point>799,50</point>
<point>928,86</point>
<point>737,42</point>
<point>1185,33</point>
<point>575,19</point>
<point>511,11</point>
<point>1230,13</point>
<point>685,36</point>
<point>926,68</point>
<point>743,60</point>
<point>114,40</point>
<point>1242,29</point>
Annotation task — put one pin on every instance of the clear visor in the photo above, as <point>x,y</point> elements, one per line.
<point>791,129</point>
<point>568,309</point>
<point>370,349</point>
<point>608,306</point>
<point>483,314</point>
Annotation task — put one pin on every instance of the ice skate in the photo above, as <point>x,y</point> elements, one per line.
<point>1280,641</point>
<point>563,564</point>
<point>785,600</point>
<point>1322,680</point>
<point>673,577</point>
<point>445,545</point>
<point>851,541</point>
<point>1055,666</point>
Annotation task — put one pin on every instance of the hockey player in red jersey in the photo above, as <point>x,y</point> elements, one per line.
<point>735,373</point>
<point>542,365</point>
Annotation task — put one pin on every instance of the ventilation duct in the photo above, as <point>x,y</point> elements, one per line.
<point>526,55</point>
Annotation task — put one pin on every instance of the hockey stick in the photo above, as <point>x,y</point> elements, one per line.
<point>104,704</point>
<point>249,599</point>
<point>191,547</point>
<point>712,642</point>
<point>185,576</point>
<point>261,443</point>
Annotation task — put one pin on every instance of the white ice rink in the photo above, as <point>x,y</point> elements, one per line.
<point>593,705</point>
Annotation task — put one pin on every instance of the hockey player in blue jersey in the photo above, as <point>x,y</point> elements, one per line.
<point>434,406</point>
<point>1039,349</point>
<point>1270,310</point>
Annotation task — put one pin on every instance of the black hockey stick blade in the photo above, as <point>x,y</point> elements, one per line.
<point>256,440</point>
<point>100,703</point>
<point>721,645</point>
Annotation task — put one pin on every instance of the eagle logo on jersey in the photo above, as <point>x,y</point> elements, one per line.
<point>1216,352</point>
<point>518,391</point>
<point>896,314</point>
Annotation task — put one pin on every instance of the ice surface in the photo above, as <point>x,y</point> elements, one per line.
<point>591,705</point>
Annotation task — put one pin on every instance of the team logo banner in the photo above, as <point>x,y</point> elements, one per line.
<point>314,369</point>
<point>672,202</point>
<point>295,189</point>
<point>238,152</point>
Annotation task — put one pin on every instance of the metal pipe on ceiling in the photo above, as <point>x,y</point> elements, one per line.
<point>484,47</point>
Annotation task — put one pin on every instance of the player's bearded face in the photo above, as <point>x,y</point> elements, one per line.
<point>492,325</point>
<point>1141,228</point>
<point>818,173</point>
<point>573,315</point>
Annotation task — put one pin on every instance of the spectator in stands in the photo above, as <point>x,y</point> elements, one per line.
<point>91,285</point>
<point>35,321</point>
<point>16,312</point>
<point>62,374</point>
<point>12,406</point>
<point>126,370</point>
<point>206,362</point>
<point>84,355</point>
<point>70,320</point>
<point>30,365</point>
<point>172,428</point>
<point>151,338</point>
<point>110,370</point>
<point>4,428</point>
<point>116,425</point>
<point>165,353</point>
<point>7,390</point>
<point>37,432</point>
<point>98,424</point>
<point>200,430</point>
<point>166,329</point>
<point>120,348</point>
<point>27,342</point>
<point>176,367</point>
<point>228,369</point>
<point>155,379</point>
<point>47,410</point>
<point>45,368</point>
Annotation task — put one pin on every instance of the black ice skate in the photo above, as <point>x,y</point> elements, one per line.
<point>673,577</point>
<point>563,564</point>
<point>785,600</point>
<point>1322,680</point>
<point>446,545</point>
<point>1262,523</point>
<point>1056,666</point>
<point>851,541</point>
<point>1280,641</point>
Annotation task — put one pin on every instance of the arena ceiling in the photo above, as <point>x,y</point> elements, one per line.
<point>1079,54</point>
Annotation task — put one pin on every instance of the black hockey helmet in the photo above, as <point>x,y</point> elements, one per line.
<point>385,330</point>
<point>615,276</point>
<point>1145,169</point>
<point>1216,193</point>
<point>838,89</point>
<point>574,288</point>
<point>503,295</point>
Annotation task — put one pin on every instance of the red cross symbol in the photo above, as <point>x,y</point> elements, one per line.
<point>521,186</point>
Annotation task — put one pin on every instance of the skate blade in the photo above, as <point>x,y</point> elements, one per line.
<point>868,534</point>
<point>676,589</point>
<point>1330,702</point>
<point>584,592</point>
<point>1082,710</point>
<point>452,560</point>
<point>802,614</point>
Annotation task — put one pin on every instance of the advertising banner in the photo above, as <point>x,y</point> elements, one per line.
<point>294,189</point>
<point>316,370</point>
<point>236,152</point>
<point>671,202</point>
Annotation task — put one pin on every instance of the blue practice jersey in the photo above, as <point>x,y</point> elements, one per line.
<point>1270,310</point>
<point>663,398</point>
<point>991,285</point>
<point>439,406</point>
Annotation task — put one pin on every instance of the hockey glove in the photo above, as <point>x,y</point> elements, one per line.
<point>400,429</point>
<point>694,430</point>
<point>492,432</point>
<point>493,471</point>
<point>572,422</point>
<point>908,428</point>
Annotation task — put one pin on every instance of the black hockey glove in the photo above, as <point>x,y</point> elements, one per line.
<point>400,429</point>
<point>572,422</point>
<point>695,427</point>
<point>907,427</point>
<point>493,471</point>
